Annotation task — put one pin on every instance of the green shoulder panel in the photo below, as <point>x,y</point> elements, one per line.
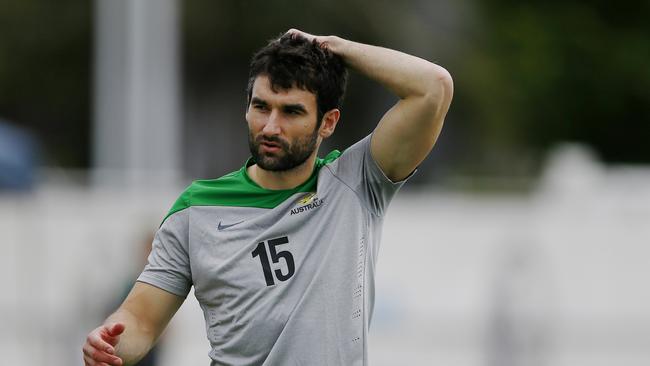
<point>333,155</point>
<point>181,203</point>
<point>238,190</point>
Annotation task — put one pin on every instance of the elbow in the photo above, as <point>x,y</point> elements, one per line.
<point>440,88</point>
<point>442,83</point>
<point>445,80</point>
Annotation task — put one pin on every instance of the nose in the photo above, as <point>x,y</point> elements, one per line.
<point>272,125</point>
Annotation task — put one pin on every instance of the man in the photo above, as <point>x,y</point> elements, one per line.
<point>282,253</point>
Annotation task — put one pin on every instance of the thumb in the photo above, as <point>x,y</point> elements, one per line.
<point>115,329</point>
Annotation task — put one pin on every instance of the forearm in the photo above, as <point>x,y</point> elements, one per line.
<point>137,339</point>
<point>129,333</point>
<point>403,74</point>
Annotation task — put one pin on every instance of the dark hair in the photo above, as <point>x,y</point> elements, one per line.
<point>294,61</point>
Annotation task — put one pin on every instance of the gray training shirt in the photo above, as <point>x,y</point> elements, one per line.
<point>284,277</point>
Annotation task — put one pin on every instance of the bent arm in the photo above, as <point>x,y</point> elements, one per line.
<point>407,132</point>
<point>145,313</point>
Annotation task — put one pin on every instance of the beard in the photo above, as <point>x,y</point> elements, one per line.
<point>289,156</point>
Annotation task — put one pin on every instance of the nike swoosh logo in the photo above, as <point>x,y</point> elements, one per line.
<point>224,227</point>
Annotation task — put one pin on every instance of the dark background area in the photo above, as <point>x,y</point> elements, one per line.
<point>528,75</point>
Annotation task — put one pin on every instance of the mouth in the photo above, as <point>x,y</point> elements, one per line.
<point>270,146</point>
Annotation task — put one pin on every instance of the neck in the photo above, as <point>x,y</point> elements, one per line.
<point>285,179</point>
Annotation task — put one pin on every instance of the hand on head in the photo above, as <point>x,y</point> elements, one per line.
<point>321,40</point>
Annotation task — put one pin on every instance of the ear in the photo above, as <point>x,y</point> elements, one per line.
<point>328,123</point>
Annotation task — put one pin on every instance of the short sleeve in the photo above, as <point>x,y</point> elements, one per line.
<point>168,265</point>
<point>357,169</point>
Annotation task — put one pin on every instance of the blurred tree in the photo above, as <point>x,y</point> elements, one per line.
<point>45,81</point>
<point>527,74</point>
<point>541,72</point>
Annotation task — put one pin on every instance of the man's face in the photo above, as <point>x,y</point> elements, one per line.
<point>282,126</point>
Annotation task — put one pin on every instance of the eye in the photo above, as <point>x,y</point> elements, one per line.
<point>260,107</point>
<point>294,111</point>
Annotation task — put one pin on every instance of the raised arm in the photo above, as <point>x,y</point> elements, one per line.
<point>129,333</point>
<point>407,132</point>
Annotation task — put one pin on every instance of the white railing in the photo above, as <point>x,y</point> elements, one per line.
<point>556,277</point>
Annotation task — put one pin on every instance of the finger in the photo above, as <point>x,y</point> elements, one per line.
<point>298,33</point>
<point>97,342</point>
<point>98,356</point>
<point>111,334</point>
<point>89,361</point>
<point>115,329</point>
<point>320,40</point>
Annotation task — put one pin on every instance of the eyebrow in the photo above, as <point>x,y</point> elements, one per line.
<point>257,100</point>
<point>287,107</point>
<point>295,108</point>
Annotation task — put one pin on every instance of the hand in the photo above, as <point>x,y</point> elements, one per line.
<point>99,349</point>
<point>322,41</point>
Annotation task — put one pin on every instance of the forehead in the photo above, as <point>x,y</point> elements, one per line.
<point>262,90</point>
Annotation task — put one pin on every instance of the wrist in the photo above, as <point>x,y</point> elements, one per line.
<point>334,43</point>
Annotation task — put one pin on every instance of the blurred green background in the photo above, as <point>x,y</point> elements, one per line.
<point>527,74</point>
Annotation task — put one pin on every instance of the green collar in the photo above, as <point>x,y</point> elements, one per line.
<point>237,189</point>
